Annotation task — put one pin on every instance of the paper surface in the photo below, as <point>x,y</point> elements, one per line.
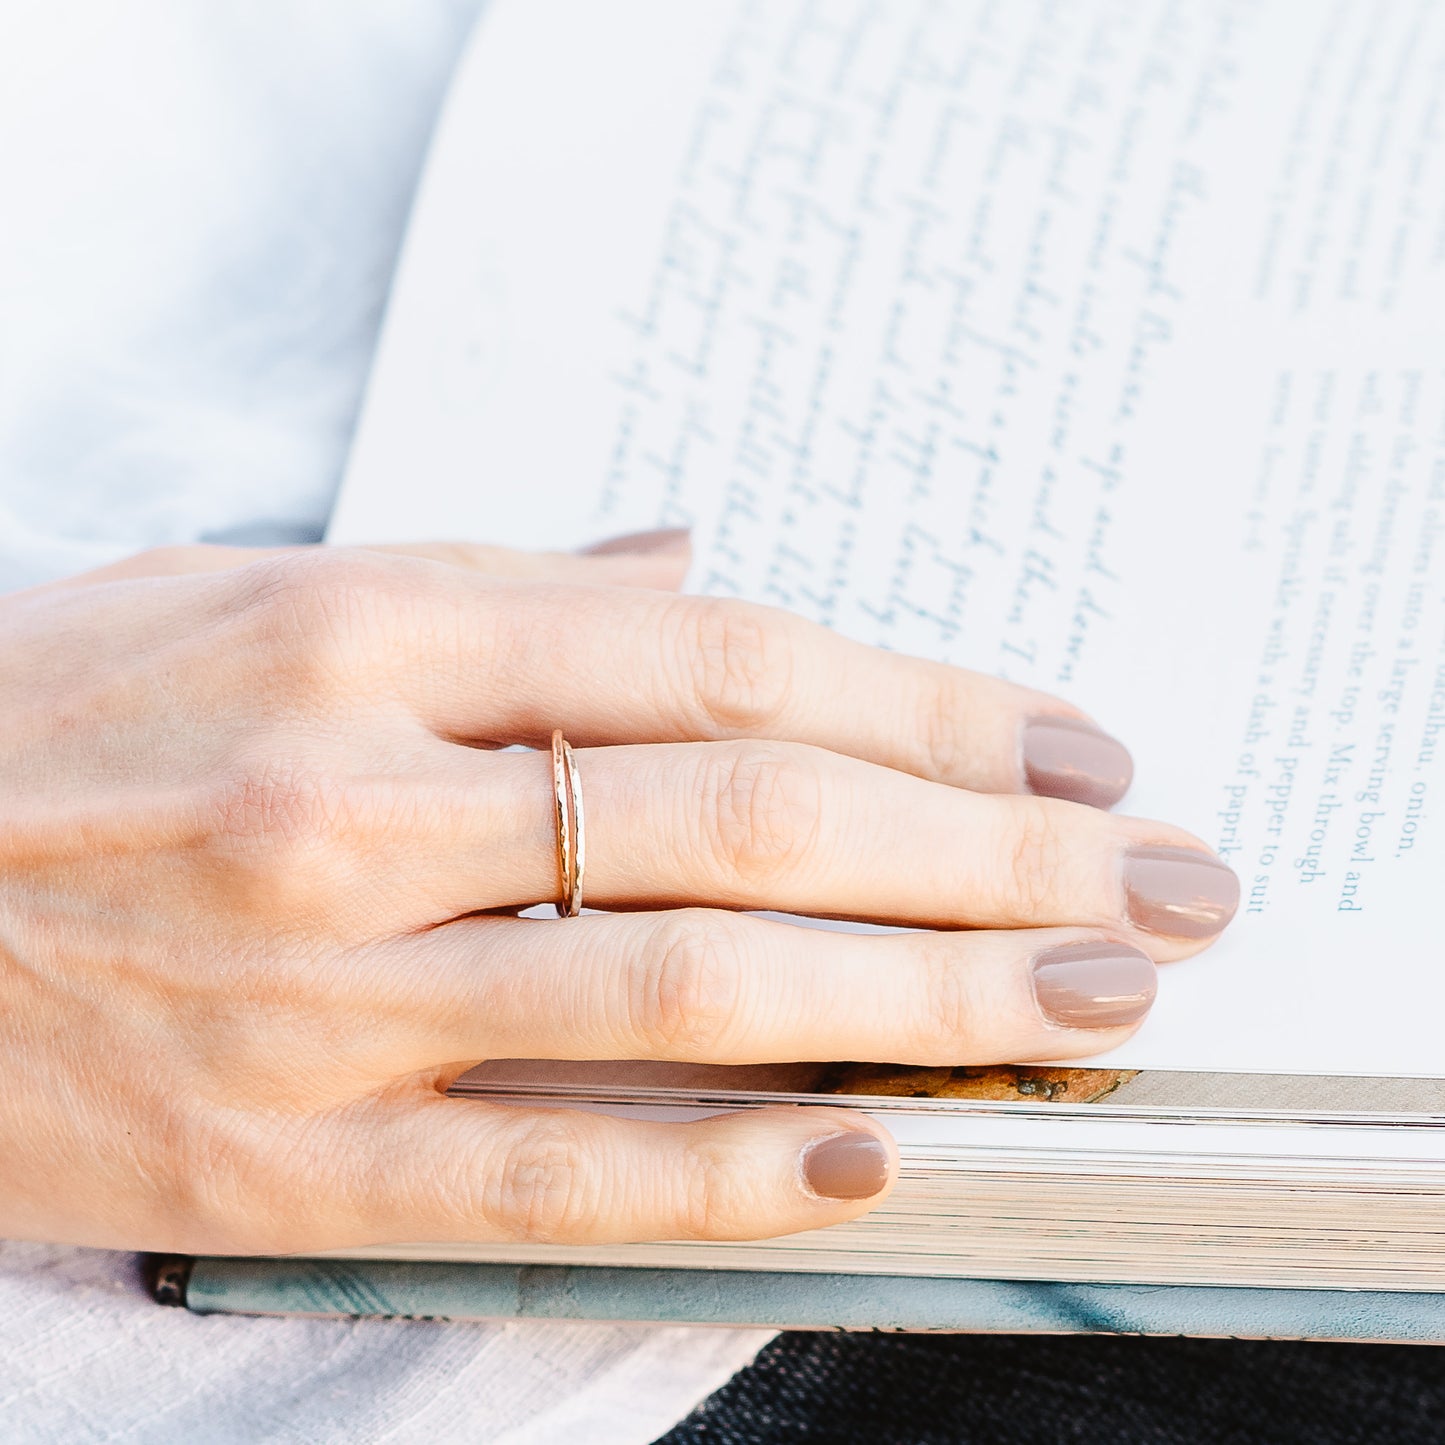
<point>1102,347</point>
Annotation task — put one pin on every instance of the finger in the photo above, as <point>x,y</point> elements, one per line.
<point>636,667</point>
<point>426,1167</point>
<point>798,829</point>
<point>702,986</point>
<point>647,560</point>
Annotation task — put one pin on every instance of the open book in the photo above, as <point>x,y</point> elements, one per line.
<point>1102,347</point>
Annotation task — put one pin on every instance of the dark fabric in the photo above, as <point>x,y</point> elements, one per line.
<point>1006,1390</point>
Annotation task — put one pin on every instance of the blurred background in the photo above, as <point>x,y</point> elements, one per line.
<point>200,206</point>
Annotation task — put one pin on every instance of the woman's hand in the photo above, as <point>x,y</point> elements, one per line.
<point>259,865</point>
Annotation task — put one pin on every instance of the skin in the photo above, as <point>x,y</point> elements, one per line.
<point>260,860</point>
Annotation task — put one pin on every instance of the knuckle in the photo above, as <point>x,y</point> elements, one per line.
<point>538,1193</point>
<point>276,833</point>
<point>304,584</point>
<point>277,805</point>
<point>1035,852</point>
<point>760,808</point>
<point>949,744</point>
<point>945,1019</point>
<point>316,610</point>
<point>740,663</point>
<point>708,1203</point>
<point>228,1186</point>
<point>687,996</point>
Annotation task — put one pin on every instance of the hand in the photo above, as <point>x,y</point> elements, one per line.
<point>259,871</point>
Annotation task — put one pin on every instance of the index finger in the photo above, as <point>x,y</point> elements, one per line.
<point>624,666</point>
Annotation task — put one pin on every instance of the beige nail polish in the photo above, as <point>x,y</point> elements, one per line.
<point>1093,985</point>
<point>1179,891</point>
<point>672,540</point>
<point>1066,757</point>
<point>845,1166</point>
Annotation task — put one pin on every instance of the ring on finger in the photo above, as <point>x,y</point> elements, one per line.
<point>571,844</point>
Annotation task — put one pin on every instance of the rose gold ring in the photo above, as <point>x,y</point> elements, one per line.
<point>571,850</point>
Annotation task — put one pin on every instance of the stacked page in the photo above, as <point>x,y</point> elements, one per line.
<point>1089,1192</point>
<point>1093,1197</point>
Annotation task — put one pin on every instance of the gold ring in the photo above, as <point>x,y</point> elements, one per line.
<point>571,851</point>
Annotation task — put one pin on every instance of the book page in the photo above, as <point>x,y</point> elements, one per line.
<point>1100,346</point>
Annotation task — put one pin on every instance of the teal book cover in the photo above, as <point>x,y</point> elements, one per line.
<point>426,1290</point>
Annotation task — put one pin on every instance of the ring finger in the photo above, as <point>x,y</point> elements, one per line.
<point>798,829</point>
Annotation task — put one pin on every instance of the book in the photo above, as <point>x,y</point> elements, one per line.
<point>1098,348</point>
<point>396,1289</point>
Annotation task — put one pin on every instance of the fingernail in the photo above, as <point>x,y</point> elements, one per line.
<point>845,1166</point>
<point>1066,757</point>
<point>1093,985</point>
<point>1179,891</point>
<point>672,540</point>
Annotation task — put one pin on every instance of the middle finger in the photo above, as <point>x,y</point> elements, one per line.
<point>490,661</point>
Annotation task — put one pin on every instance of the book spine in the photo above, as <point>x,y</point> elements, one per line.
<point>413,1290</point>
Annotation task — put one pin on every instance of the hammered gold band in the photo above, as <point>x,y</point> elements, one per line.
<point>571,849</point>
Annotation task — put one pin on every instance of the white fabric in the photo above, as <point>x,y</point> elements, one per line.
<point>201,205</point>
